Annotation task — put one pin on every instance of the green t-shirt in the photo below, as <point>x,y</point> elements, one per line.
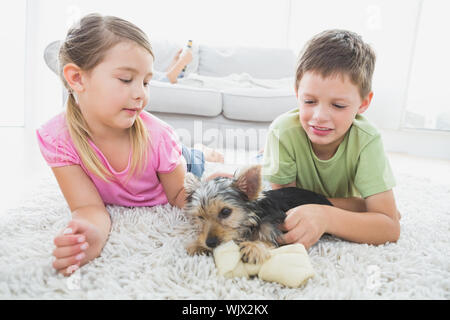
<point>358,168</point>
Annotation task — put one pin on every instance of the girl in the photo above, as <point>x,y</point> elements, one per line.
<point>105,149</point>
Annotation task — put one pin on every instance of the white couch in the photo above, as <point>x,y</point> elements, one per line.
<point>228,117</point>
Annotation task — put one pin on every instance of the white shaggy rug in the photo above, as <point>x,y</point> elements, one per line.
<point>145,258</point>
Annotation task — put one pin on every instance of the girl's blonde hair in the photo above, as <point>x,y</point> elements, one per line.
<point>86,45</point>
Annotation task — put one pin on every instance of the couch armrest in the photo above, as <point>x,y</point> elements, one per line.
<point>51,53</point>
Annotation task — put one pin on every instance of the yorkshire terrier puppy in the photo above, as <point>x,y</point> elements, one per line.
<point>235,209</point>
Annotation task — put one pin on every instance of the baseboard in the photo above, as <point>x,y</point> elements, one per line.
<point>423,143</point>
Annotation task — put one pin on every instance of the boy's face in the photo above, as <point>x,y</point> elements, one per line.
<point>327,107</point>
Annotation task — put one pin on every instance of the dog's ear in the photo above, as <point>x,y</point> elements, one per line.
<point>191,182</point>
<point>248,180</point>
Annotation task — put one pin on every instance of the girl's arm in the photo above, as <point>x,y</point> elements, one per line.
<point>90,225</point>
<point>173,184</point>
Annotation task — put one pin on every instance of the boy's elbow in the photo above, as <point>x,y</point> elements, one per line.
<point>395,232</point>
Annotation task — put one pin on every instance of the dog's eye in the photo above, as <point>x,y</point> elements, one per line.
<point>201,217</point>
<point>224,213</point>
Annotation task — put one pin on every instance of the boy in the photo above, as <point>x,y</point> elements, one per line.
<point>326,146</point>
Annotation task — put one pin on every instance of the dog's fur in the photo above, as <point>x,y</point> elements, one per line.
<point>235,209</point>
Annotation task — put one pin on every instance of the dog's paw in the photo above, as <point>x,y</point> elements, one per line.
<point>254,252</point>
<point>195,249</point>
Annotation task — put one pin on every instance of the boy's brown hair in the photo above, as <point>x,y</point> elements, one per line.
<point>342,52</point>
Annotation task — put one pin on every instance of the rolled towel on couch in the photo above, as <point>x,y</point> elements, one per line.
<point>288,265</point>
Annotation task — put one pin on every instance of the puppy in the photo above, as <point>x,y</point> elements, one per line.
<point>235,209</point>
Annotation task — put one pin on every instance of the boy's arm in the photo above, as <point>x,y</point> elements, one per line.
<point>351,204</point>
<point>374,220</point>
<point>355,204</point>
<point>379,224</point>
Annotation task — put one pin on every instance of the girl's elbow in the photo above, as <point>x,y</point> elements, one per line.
<point>178,202</point>
<point>177,199</point>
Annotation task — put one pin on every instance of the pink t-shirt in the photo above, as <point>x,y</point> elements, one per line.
<point>164,155</point>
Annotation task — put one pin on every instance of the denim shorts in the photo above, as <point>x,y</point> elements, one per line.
<point>195,160</point>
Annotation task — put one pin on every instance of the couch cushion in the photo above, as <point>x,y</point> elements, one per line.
<point>176,98</point>
<point>257,104</point>
<point>261,63</point>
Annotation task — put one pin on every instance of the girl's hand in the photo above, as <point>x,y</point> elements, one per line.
<point>77,244</point>
<point>304,224</point>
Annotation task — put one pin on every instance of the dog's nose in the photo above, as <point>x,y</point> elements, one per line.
<point>212,242</point>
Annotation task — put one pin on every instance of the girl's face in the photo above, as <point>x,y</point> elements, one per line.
<point>327,107</point>
<point>116,90</point>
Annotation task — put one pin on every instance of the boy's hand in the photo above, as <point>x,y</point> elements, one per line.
<point>76,245</point>
<point>304,224</point>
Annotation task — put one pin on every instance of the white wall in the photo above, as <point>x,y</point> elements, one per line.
<point>12,79</point>
<point>223,23</point>
<point>430,70</point>
<point>388,25</point>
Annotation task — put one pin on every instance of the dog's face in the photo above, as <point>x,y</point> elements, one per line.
<point>221,207</point>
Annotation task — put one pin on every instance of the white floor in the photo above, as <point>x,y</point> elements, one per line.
<point>22,166</point>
